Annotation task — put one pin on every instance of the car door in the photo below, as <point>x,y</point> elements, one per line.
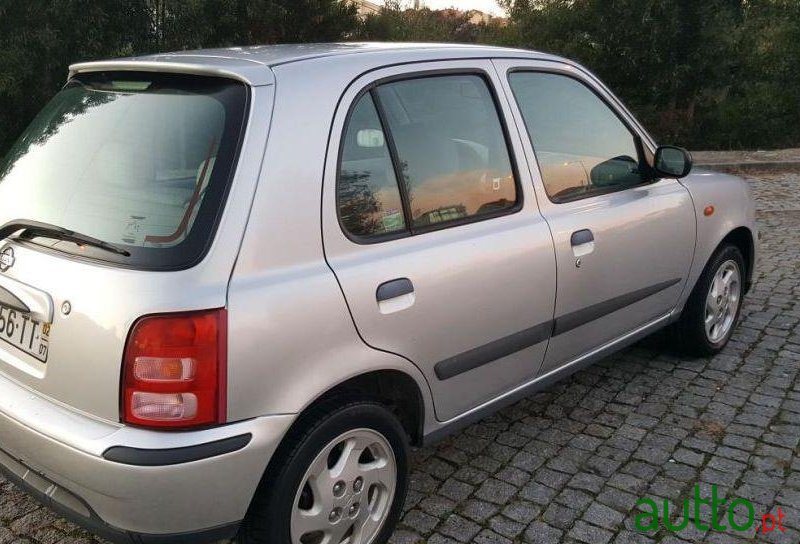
<point>624,242</point>
<point>434,233</point>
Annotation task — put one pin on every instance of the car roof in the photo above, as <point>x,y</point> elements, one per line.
<point>248,63</point>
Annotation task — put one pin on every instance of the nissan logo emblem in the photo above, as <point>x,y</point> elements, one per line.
<point>6,259</point>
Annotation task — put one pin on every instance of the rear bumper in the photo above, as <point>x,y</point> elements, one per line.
<point>76,510</point>
<point>133,485</point>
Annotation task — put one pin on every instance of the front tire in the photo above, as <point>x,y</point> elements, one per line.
<point>339,478</point>
<point>713,308</point>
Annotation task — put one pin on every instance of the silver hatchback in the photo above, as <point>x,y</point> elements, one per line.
<point>237,285</point>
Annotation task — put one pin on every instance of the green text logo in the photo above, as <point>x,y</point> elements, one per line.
<point>648,519</point>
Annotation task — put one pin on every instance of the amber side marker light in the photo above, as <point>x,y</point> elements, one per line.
<point>709,210</point>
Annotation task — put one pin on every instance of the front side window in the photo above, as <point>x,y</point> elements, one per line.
<point>424,152</point>
<point>138,160</point>
<point>582,147</point>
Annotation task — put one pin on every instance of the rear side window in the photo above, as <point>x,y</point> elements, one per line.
<point>438,150</point>
<point>582,147</point>
<point>368,194</point>
<point>139,160</point>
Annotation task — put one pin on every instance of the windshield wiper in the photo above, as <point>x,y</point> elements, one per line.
<point>36,228</point>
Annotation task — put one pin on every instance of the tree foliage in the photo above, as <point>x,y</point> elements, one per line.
<point>710,73</point>
<point>193,24</point>
<point>423,25</point>
<point>39,39</point>
<point>705,74</point>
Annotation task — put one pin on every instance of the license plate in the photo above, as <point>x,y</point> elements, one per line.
<point>24,333</point>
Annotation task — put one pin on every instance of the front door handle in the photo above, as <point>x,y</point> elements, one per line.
<point>580,237</point>
<point>582,242</point>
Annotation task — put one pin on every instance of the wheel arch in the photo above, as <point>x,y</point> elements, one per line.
<point>725,213</point>
<point>742,238</point>
<point>393,388</point>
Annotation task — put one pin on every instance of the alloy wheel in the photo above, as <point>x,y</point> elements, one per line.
<point>722,301</point>
<point>346,494</point>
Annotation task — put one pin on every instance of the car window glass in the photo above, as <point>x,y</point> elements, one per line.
<point>368,196</point>
<point>581,146</point>
<point>135,159</point>
<point>450,146</point>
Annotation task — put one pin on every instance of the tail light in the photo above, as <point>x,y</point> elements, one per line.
<point>175,370</point>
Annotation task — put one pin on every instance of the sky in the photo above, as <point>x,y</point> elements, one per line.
<point>487,6</point>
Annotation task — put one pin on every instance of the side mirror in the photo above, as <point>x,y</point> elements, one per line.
<point>616,171</point>
<point>673,162</point>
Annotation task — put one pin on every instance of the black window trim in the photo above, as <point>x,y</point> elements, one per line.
<point>394,158</point>
<point>410,230</point>
<point>648,175</point>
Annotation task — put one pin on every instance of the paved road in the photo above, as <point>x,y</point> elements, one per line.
<point>786,156</point>
<point>569,464</point>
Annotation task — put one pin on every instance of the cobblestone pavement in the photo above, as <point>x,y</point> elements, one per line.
<point>568,464</point>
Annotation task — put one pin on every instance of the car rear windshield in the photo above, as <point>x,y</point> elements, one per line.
<point>142,161</point>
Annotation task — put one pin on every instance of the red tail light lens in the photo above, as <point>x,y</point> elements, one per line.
<point>174,371</point>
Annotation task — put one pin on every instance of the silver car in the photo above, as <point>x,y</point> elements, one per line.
<point>237,285</point>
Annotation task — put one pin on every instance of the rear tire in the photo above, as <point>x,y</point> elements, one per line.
<point>713,308</point>
<point>339,477</point>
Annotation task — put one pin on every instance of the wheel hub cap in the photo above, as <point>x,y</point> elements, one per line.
<point>722,301</point>
<point>346,493</point>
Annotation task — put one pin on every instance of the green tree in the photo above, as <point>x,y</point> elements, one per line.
<point>392,23</point>
<point>711,73</point>
<point>761,108</point>
<point>39,39</point>
<point>668,59</point>
<point>193,24</point>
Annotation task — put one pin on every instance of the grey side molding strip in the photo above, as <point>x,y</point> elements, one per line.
<point>575,319</point>
<point>541,382</point>
<point>487,353</point>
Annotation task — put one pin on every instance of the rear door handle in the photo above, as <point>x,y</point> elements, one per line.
<point>395,296</point>
<point>582,242</point>
<point>393,289</point>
